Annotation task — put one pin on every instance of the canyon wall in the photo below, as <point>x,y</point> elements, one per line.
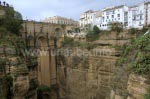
<point>92,76</point>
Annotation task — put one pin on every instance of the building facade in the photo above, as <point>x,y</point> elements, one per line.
<point>136,16</point>
<point>87,18</point>
<point>60,20</point>
<point>147,11</point>
<point>113,14</point>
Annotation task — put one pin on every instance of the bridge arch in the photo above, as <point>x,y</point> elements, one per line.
<point>30,40</point>
<point>58,32</point>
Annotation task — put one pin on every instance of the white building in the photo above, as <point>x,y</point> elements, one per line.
<point>147,11</point>
<point>60,20</point>
<point>98,20</point>
<point>113,14</point>
<point>86,18</point>
<point>137,16</point>
<point>130,17</point>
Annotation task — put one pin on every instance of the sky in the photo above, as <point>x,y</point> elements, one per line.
<point>41,9</point>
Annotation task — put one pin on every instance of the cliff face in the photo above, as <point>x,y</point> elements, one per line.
<point>14,72</point>
<point>137,86</point>
<point>96,76</point>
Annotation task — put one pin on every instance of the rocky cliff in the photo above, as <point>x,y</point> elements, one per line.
<point>96,75</point>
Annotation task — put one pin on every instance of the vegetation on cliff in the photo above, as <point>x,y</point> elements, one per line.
<point>137,55</point>
<point>147,96</point>
<point>93,35</point>
<point>70,42</point>
<point>11,22</point>
<point>116,26</point>
<point>135,58</point>
<point>11,45</point>
<point>8,85</point>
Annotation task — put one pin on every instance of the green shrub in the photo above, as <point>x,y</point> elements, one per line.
<point>12,21</point>
<point>40,91</point>
<point>137,55</point>
<point>116,26</point>
<point>91,36</point>
<point>8,84</point>
<point>133,31</point>
<point>3,31</point>
<point>43,88</point>
<point>96,30</point>
<point>147,96</point>
<point>67,41</point>
<point>3,62</point>
<point>145,29</point>
<point>33,84</point>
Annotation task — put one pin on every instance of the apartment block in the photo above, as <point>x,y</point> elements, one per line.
<point>135,16</point>
<point>113,14</point>
<point>86,18</point>
<point>147,11</point>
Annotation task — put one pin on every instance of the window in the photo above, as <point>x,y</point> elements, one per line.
<point>107,17</point>
<point>134,18</point>
<point>140,17</point>
<point>118,15</point>
<point>112,16</point>
<point>107,13</point>
<point>140,23</point>
<point>113,12</point>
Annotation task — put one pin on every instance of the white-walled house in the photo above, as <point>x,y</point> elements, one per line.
<point>139,15</point>
<point>113,14</point>
<point>86,18</point>
<point>136,16</point>
<point>147,11</point>
<point>98,18</point>
<point>104,17</point>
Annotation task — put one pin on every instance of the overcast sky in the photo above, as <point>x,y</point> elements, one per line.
<point>40,9</point>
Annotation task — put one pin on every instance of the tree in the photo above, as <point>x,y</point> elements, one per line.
<point>77,30</point>
<point>8,84</point>
<point>87,27</point>
<point>4,3</point>
<point>12,21</point>
<point>96,30</point>
<point>17,16</point>
<point>116,26</point>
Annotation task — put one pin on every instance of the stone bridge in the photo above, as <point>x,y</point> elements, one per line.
<point>32,31</point>
<point>46,37</point>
